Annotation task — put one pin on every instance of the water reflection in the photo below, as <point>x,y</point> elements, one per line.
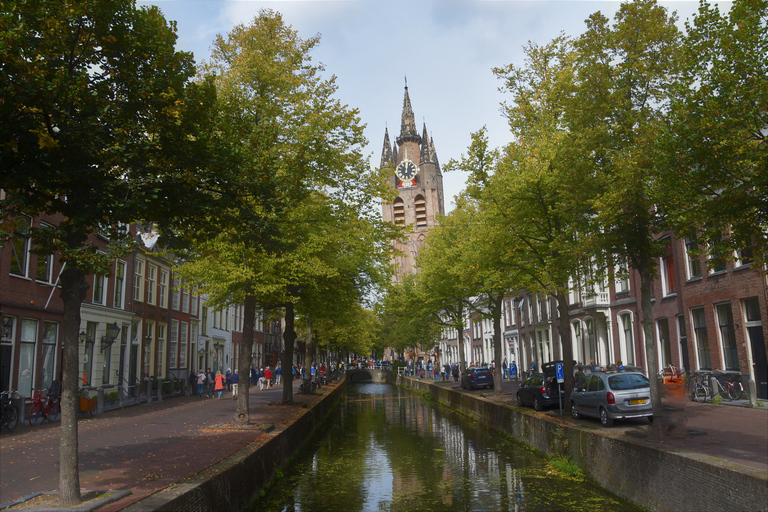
<point>390,450</point>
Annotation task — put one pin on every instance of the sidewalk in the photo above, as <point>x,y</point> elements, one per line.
<point>729,432</point>
<point>143,448</point>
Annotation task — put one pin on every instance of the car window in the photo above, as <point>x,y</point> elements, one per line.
<point>628,381</point>
<point>593,383</point>
<point>582,384</point>
<point>600,384</point>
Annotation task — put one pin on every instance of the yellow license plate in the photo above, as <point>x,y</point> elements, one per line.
<point>637,402</point>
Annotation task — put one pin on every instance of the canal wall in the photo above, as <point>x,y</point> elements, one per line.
<point>654,477</point>
<point>235,482</point>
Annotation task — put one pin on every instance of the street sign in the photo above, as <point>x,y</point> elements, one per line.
<point>559,373</point>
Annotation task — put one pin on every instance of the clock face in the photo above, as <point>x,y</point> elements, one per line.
<point>407,170</point>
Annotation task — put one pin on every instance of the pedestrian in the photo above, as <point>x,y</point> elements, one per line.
<point>513,370</point>
<point>201,378</point>
<point>268,377</point>
<point>592,366</point>
<point>278,375</point>
<point>455,372</point>
<point>192,382</point>
<point>228,376</point>
<point>504,369</point>
<point>210,380</point>
<point>235,380</point>
<point>533,368</point>
<point>261,378</point>
<point>220,384</point>
<point>254,377</point>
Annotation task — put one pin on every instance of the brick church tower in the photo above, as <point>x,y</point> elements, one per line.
<point>419,186</point>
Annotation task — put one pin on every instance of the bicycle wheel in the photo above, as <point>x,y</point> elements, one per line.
<point>700,393</point>
<point>35,413</point>
<point>54,414</point>
<point>734,390</point>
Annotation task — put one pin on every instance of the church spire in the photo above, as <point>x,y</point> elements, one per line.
<point>408,131</point>
<point>426,150</point>
<point>386,153</point>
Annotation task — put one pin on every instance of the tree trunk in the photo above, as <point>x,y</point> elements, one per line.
<point>73,288</point>
<point>245,358</point>
<point>289,337</point>
<point>309,347</point>
<point>642,264</point>
<point>564,330</point>
<point>497,358</point>
<point>460,340</point>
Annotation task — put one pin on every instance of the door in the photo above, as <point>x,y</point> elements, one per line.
<point>590,397</point>
<point>5,366</point>
<point>760,361</point>
<point>132,367</point>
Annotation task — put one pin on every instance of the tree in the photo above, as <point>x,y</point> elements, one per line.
<point>623,76</point>
<point>100,125</point>
<point>297,152</point>
<point>715,181</point>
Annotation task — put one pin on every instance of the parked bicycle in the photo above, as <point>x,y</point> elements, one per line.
<point>45,405</point>
<point>700,387</point>
<point>9,415</point>
<point>730,388</point>
<point>87,404</point>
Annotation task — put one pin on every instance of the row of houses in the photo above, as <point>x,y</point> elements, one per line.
<point>708,315</point>
<point>137,322</point>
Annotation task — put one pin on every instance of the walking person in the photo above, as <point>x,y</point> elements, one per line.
<point>455,372</point>
<point>228,376</point>
<point>504,369</point>
<point>261,379</point>
<point>210,380</point>
<point>268,377</point>
<point>278,375</point>
<point>254,375</point>
<point>235,380</point>
<point>201,378</point>
<point>220,383</point>
<point>193,382</point>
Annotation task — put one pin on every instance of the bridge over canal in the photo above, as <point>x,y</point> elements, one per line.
<point>370,375</point>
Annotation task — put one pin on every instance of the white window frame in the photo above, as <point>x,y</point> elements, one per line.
<point>118,298</point>
<point>138,280</point>
<point>25,248</point>
<point>162,292</point>
<point>173,343</point>
<point>151,283</point>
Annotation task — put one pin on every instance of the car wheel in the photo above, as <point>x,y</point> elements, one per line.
<point>519,401</point>
<point>575,411</point>
<point>604,419</point>
<point>536,403</point>
<point>492,385</point>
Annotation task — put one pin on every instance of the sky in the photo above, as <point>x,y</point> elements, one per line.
<point>446,49</point>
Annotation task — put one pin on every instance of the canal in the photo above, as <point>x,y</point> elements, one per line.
<point>390,449</point>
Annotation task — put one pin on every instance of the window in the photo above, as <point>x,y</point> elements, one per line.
<point>622,278</point>
<point>183,339</point>
<point>628,340</point>
<point>160,347</point>
<point>398,207</point>
<point>162,292</point>
<point>90,341</point>
<point>119,284</point>
<point>27,351</point>
<point>664,342</point>
<point>573,292</point>
<point>702,341</point>
<point>420,206</point>
<point>716,263</point>
<point>589,324</point>
<point>668,270</point>
<point>107,362</point>
<point>185,301</point>
<point>151,278</point>
<point>150,331</point>
<point>727,336</point>
<point>99,289</point>
<point>204,322</point>
<point>692,258</point>
<point>176,300</point>
<point>576,347</point>
<point>173,342</point>
<point>743,257</point>
<point>193,336</point>
<point>44,272</point>
<point>194,302</point>
<point>50,336</point>
<point>20,248</point>
<point>138,281</point>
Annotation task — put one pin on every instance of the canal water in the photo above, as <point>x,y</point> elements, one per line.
<point>389,449</point>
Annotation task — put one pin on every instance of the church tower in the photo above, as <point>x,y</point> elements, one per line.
<point>419,185</point>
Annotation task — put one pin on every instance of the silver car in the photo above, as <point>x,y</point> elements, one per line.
<point>612,396</point>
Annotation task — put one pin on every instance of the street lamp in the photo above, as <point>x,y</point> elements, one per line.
<point>108,339</point>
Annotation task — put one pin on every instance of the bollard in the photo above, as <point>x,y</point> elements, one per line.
<point>752,390</point>
<point>159,390</point>
<point>714,387</point>
<point>149,391</point>
<point>99,400</point>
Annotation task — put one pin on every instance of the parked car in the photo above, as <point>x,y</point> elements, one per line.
<point>612,396</point>
<point>476,377</point>
<point>540,391</point>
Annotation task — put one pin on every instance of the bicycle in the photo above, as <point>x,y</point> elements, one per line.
<point>731,389</point>
<point>87,404</point>
<point>9,415</point>
<point>700,391</point>
<point>44,406</point>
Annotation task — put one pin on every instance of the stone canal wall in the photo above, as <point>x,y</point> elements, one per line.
<point>654,477</point>
<point>234,482</point>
